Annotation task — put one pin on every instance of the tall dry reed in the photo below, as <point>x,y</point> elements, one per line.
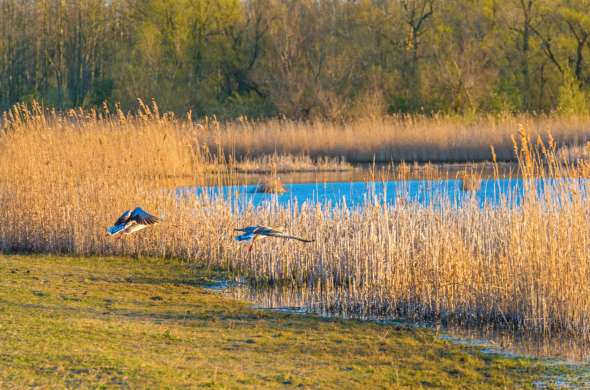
<point>64,178</point>
<point>393,138</point>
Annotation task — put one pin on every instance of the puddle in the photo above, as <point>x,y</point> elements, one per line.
<point>223,285</point>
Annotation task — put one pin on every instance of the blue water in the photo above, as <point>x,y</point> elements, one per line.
<point>493,192</point>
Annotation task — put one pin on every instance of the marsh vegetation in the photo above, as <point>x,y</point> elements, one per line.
<point>520,268</point>
<point>398,138</point>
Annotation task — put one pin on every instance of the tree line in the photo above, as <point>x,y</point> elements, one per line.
<point>298,58</point>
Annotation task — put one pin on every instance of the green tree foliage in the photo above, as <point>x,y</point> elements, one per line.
<point>299,58</point>
<point>571,99</point>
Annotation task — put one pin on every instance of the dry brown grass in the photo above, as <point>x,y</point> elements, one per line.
<point>63,181</point>
<point>271,185</point>
<point>288,163</point>
<point>395,138</point>
<point>470,180</point>
<point>575,153</point>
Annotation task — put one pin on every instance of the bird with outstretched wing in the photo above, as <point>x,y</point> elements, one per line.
<point>258,232</point>
<point>132,221</point>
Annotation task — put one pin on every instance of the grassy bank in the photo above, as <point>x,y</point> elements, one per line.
<point>123,322</point>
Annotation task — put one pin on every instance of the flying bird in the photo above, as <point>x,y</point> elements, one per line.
<point>258,232</point>
<point>132,221</point>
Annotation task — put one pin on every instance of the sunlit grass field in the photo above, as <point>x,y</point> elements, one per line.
<point>64,178</point>
<point>148,323</point>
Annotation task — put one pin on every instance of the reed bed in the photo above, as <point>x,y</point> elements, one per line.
<point>276,163</point>
<point>577,153</point>
<point>393,138</point>
<point>527,268</point>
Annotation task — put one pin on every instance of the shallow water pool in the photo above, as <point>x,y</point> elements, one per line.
<point>449,192</point>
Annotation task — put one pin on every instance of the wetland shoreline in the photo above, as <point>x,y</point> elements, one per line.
<point>124,322</point>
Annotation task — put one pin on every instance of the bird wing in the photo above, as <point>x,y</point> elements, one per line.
<point>247,229</point>
<point>289,237</point>
<point>116,229</point>
<point>267,231</point>
<point>244,237</point>
<point>143,217</point>
<point>123,219</point>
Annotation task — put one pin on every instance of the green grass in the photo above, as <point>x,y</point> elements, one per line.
<point>115,322</point>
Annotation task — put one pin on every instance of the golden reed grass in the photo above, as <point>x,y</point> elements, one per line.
<point>284,163</point>
<point>64,178</point>
<point>393,138</point>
